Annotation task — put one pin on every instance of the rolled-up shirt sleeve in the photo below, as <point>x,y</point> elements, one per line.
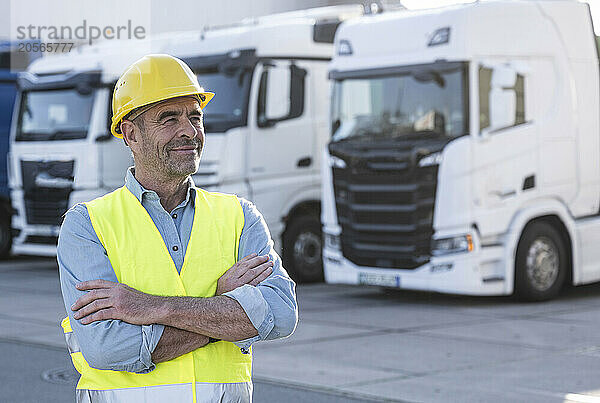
<point>271,306</point>
<point>106,344</point>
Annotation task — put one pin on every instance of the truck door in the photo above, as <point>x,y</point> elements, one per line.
<point>505,154</point>
<point>280,151</point>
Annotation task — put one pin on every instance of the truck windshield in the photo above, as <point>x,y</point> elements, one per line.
<point>61,114</point>
<point>420,101</point>
<point>228,108</point>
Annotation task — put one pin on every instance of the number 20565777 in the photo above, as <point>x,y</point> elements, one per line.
<point>49,47</point>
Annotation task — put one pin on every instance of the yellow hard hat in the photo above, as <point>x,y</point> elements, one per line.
<point>153,78</point>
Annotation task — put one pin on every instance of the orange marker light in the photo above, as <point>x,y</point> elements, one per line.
<point>469,243</point>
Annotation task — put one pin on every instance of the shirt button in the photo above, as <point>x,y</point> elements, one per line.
<point>175,216</point>
<point>175,248</point>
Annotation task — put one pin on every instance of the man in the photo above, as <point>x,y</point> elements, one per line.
<point>166,285</point>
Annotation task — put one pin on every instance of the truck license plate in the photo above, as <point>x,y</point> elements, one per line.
<point>384,280</point>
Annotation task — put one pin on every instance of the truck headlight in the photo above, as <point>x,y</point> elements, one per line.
<point>333,242</point>
<point>457,244</point>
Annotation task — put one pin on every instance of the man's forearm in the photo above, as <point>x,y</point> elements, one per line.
<point>220,317</point>
<point>177,342</point>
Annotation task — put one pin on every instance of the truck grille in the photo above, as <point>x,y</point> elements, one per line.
<point>42,240</point>
<point>46,187</point>
<point>385,202</point>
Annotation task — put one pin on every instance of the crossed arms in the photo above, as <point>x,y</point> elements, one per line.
<point>188,321</point>
<point>247,313</point>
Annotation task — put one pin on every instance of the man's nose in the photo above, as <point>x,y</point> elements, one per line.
<point>188,129</point>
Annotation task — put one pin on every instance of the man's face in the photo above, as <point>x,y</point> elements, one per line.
<point>171,138</point>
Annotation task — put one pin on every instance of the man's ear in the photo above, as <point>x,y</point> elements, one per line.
<point>129,131</point>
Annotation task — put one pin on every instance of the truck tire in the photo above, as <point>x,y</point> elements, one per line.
<point>302,249</point>
<point>5,237</point>
<point>541,263</point>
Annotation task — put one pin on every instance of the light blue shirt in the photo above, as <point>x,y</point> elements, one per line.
<point>112,344</point>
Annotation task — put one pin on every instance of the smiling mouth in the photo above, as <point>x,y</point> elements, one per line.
<point>185,149</point>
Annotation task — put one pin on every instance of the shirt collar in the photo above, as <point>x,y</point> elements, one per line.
<point>132,184</point>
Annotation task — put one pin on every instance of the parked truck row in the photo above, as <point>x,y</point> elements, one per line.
<point>265,128</point>
<point>453,149</point>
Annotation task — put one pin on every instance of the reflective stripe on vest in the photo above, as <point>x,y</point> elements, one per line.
<point>205,393</point>
<point>141,260</point>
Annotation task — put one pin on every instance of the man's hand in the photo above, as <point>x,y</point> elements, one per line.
<point>250,270</point>
<point>109,300</point>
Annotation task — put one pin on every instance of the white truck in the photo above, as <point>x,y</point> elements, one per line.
<point>465,151</point>
<point>265,127</point>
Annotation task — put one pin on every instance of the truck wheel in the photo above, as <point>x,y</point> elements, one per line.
<point>5,237</point>
<point>541,263</point>
<point>302,249</point>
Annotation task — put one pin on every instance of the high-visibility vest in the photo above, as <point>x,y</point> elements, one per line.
<point>141,260</point>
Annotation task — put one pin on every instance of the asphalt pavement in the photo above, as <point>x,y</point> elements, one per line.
<point>352,344</point>
<point>44,374</point>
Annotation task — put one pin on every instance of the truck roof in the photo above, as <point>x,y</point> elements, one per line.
<point>109,57</point>
<point>264,34</point>
<point>492,28</point>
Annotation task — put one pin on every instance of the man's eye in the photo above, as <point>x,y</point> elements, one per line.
<point>170,121</point>
<point>196,119</point>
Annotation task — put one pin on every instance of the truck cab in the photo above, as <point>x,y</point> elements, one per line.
<point>464,155</point>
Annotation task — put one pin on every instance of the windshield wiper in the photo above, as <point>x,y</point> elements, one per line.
<point>52,135</point>
<point>32,135</point>
<point>67,134</point>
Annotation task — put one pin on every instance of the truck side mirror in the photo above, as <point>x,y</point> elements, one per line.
<point>504,77</point>
<point>298,75</point>
<point>502,99</point>
<point>277,102</point>
<point>503,104</point>
<point>281,93</point>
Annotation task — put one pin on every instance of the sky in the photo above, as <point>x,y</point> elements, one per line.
<point>594,7</point>
<point>181,15</point>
